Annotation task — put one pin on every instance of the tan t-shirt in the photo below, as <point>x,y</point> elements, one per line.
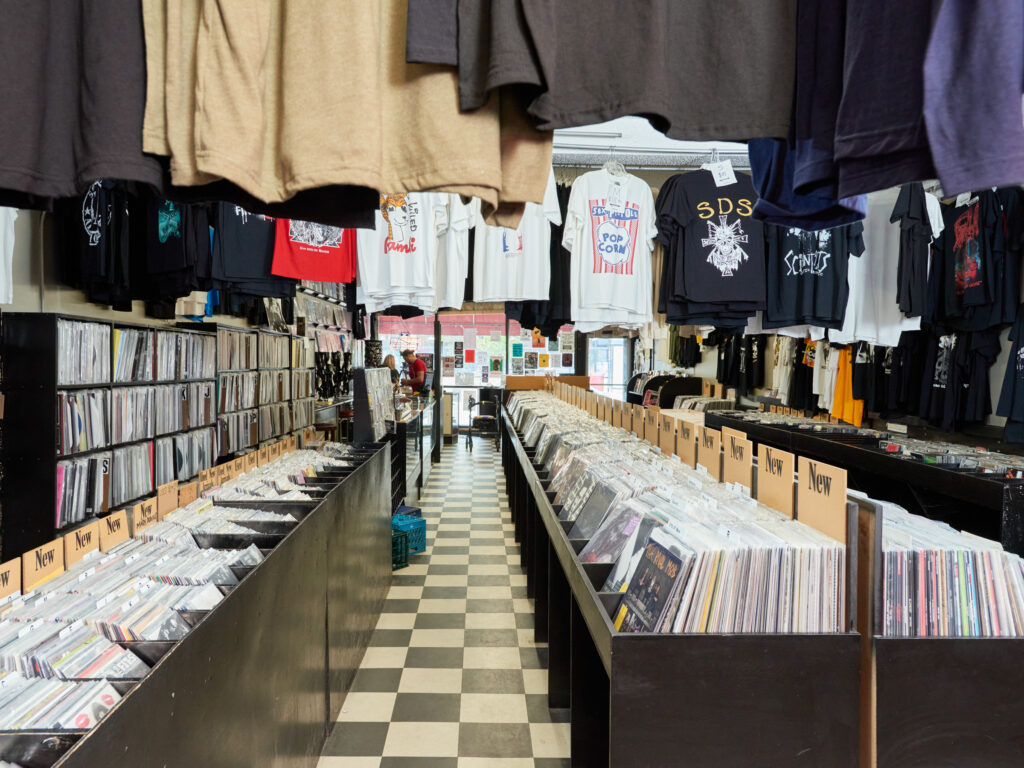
<point>289,96</point>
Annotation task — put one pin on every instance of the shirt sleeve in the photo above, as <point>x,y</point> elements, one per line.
<point>856,239</point>
<point>650,213</point>
<point>551,210</point>
<point>574,214</point>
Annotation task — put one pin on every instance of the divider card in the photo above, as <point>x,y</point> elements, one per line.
<point>187,493</point>
<point>726,431</point>
<point>709,451</point>
<point>775,470</point>
<point>617,414</point>
<point>707,387</point>
<point>10,578</point>
<point>114,530</point>
<point>738,461</point>
<point>719,390</point>
<point>41,564</point>
<point>263,456</point>
<point>144,515</point>
<point>686,443</point>
<point>81,542</point>
<point>167,498</point>
<point>251,461</point>
<point>667,435</point>
<point>275,451</point>
<point>651,425</point>
<point>821,498</point>
<point>637,419</point>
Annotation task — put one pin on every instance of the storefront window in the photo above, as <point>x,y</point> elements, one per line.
<point>607,360</point>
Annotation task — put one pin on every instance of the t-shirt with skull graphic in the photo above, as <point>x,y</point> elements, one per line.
<point>609,231</point>
<point>723,245</point>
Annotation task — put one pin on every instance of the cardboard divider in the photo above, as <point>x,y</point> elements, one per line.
<point>738,461</point>
<point>81,542</point>
<point>775,473</point>
<point>114,530</point>
<point>709,451</point>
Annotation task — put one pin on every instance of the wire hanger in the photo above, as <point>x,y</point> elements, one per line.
<point>613,166</point>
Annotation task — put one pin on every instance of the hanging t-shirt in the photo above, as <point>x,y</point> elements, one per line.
<point>515,264</point>
<point>309,251</point>
<point>610,229</point>
<point>453,255</point>
<point>807,274</point>
<point>723,245</point>
<point>7,218</point>
<point>243,244</point>
<point>913,210</point>
<point>872,311</point>
<point>431,32</point>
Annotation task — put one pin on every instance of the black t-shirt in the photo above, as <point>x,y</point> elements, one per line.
<point>911,211</point>
<point>808,274</point>
<point>243,252</point>
<point>432,33</point>
<point>723,245</point>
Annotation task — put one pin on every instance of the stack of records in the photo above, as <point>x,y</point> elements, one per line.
<point>84,353</point>
<point>134,355</point>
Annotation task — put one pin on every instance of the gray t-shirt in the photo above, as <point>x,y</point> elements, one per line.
<point>432,35</point>
<point>495,49</point>
<point>73,94</point>
<point>697,69</point>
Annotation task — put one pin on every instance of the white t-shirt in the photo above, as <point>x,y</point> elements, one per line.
<point>515,264</point>
<point>872,312</point>
<point>609,230</point>
<point>7,217</point>
<point>453,255</point>
<point>397,260</point>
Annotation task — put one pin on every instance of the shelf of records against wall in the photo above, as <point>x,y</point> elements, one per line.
<point>84,617</point>
<point>684,530</point>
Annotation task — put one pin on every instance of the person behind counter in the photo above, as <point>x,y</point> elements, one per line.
<point>417,371</point>
<point>389,362</point>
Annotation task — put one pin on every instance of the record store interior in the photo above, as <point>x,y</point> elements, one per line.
<point>511,384</point>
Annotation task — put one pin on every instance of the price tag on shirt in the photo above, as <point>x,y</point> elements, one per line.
<point>723,173</point>
<point>617,195</point>
<point>964,198</point>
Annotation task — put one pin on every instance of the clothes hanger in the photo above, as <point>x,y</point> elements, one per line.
<point>613,166</point>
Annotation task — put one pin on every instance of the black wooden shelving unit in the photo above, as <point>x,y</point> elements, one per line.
<point>32,423</point>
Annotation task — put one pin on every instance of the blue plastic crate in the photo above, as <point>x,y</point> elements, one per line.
<point>409,511</point>
<point>416,528</point>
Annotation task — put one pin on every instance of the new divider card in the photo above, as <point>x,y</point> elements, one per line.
<point>821,498</point>
<point>726,431</point>
<point>686,442</point>
<point>251,461</point>
<point>10,577</point>
<point>187,493</point>
<point>41,563</point>
<point>775,470</point>
<point>263,456</point>
<point>144,515</point>
<point>275,451</point>
<point>707,387</point>
<point>719,390</point>
<point>637,420</point>
<point>114,530</point>
<point>738,460</point>
<point>207,479</point>
<point>667,435</point>
<point>709,451</point>
<point>651,425</point>
<point>81,542</point>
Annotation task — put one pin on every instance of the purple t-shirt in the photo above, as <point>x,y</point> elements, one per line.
<point>973,78</point>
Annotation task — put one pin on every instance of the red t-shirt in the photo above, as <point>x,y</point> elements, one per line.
<point>417,367</point>
<point>308,251</point>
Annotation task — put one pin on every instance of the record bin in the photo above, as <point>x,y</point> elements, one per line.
<point>261,678</point>
<point>665,699</point>
<point>933,701</point>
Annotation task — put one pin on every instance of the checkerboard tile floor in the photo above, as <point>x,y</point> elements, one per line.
<point>452,677</point>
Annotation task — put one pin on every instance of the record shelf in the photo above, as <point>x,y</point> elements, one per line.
<point>274,358</point>
<point>986,505</point>
<point>664,699</point>
<point>32,383</point>
<point>261,678</point>
<point>303,375</point>
<point>933,700</point>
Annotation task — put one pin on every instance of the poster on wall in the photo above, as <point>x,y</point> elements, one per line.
<point>458,361</point>
<point>552,345</point>
<point>483,376</point>
<point>458,348</point>
<point>531,359</point>
<point>428,359</point>
<point>539,342</point>
<point>469,337</point>
<point>517,350</point>
<point>526,334</point>
<point>470,356</point>
<point>448,367</point>
<point>496,337</point>
<point>464,379</point>
<point>543,360</point>
<point>496,364</point>
<point>567,359</point>
<point>566,341</point>
<point>496,379</point>
<point>516,366</point>
<point>483,360</point>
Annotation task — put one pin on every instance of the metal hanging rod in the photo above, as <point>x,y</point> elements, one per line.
<point>589,156</point>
